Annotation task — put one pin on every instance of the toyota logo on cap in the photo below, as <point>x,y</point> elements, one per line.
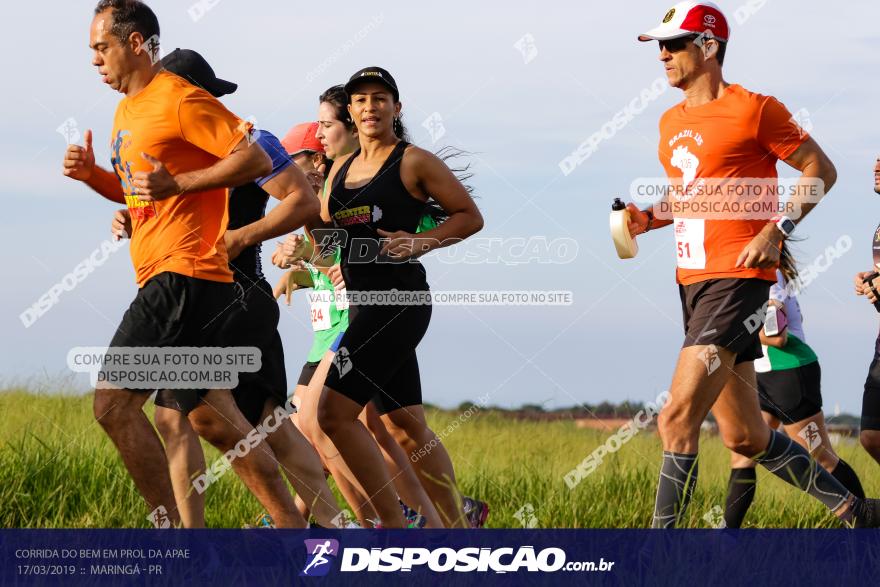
<point>690,18</point>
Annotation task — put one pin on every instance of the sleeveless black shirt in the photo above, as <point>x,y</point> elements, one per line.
<point>247,204</point>
<point>385,203</point>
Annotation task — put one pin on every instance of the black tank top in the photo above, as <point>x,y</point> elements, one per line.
<point>247,204</point>
<point>385,203</point>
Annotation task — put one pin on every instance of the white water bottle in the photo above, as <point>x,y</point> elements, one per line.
<point>626,245</point>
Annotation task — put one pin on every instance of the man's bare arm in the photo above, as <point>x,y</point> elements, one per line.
<point>298,206</point>
<point>245,163</point>
<point>79,164</point>
<point>818,176</point>
<point>107,184</point>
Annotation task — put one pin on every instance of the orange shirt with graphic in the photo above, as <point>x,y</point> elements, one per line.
<point>187,129</point>
<point>738,135</point>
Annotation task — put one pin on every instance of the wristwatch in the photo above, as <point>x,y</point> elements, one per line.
<point>650,214</point>
<point>784,224</point>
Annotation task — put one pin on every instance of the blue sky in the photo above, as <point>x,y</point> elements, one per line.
<point>518,116</point>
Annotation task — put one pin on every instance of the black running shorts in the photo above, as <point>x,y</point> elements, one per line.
<point>871,396</point>
<point>252,320</point>
<point>376,358</point>
<point>308,371</point>
<point>722,312</point>
<point>174,310</point>
<point>791,395</point>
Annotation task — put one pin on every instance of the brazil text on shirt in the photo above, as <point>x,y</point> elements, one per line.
<point>738,135</point>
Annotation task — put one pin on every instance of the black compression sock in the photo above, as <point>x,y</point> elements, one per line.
<point>848,478</point>
<point>678,475</point>
<point>740,493</point>
<point>792,463</point>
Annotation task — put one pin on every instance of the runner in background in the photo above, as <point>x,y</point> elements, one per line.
<point>328,317</point>
<point>789,392</point>
<point>869,435</point>
<point>307,152</point>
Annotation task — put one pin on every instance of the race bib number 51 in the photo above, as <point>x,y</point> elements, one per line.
<point>689,243</point>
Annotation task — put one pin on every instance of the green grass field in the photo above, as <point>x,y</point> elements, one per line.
<point>59,470</point>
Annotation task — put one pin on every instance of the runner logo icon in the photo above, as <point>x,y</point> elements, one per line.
<point>330,240</point>
<point>810,433</point>
<point>320,553</point>
<point>710,358</point>
<point>342,360</point>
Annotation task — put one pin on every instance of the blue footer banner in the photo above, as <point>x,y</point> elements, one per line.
<point>508,557</point>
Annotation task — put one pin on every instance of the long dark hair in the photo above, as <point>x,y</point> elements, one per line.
<point>338,98</point>
<point>400,130</point>
<point>788,267</point>
<point>462,173</point>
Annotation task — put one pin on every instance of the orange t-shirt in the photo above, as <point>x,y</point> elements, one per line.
<point>187,129</point>
<point>738,135</point>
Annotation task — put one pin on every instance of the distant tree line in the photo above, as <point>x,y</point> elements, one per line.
<point>606,409</point>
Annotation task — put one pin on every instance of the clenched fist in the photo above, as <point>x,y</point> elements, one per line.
<point>156,184</point>
<point>79,162</point>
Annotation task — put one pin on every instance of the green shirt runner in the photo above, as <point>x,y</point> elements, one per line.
<point>796,352</point>
<point>330,315</point>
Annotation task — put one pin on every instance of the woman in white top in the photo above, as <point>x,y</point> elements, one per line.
<point>789,391</point>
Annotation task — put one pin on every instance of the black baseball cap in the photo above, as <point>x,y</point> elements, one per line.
<point>193,68</point>
<point>376,75</point>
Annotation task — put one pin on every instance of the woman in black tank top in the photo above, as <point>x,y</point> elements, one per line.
<point>378,195</point>
<point>385,204</point>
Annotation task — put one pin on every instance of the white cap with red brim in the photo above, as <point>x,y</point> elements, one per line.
<point>690,18</point>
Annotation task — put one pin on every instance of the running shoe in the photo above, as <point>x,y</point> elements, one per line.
<point>866,513</point>
<point>414,519</point>
<point>476,511</point>
<point>346,526</point>
<point>263,521</point>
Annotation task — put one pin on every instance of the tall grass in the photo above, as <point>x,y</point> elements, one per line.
<point>59,470</point>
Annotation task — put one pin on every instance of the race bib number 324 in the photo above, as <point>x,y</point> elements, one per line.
<point>320,310</point>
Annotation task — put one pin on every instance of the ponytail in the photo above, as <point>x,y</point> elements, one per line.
<point>788,267</point>
<point>462,174</point>
<point>400,130</point>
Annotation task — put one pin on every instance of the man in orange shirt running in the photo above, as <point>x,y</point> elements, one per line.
<point>175,149</point>
<point>723,135</point>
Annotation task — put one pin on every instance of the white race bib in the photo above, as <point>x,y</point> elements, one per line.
<point>689,246</point>
<point>320,309</point>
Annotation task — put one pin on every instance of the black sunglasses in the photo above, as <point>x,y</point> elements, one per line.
<point>679,44</point>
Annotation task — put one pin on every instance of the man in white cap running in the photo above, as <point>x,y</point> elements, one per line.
<point>721,135</point>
